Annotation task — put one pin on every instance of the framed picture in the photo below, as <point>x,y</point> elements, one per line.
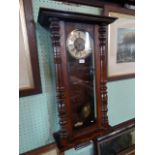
<point>120,140</point>
<point>29,75</point>
<point>121,43</point>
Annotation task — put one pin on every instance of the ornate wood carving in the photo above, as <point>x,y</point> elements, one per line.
<point>57,22</point>
<point>103,91</point>
<point>55,37</point>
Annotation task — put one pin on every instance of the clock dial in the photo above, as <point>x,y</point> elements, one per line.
<point>79,44</point>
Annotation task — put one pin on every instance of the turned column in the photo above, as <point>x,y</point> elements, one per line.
<point>103,88</point>
<point>61,98</point>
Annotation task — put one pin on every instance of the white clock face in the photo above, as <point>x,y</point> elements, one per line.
<point>79,44</point>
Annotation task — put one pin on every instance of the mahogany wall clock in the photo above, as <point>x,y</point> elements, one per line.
<point>80,62</point>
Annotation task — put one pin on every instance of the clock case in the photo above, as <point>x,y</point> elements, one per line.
<point>55,21</point>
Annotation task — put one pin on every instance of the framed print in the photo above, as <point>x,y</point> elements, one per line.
<point>120,140</point>
<point>29,75</point>
<point>121,43</point>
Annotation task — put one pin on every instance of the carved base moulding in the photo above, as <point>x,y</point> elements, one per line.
<point>78,42</point>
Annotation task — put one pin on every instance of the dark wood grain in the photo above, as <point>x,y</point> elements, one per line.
<point>98,78</point>
<point>60,89</point>
<point>30,26</point>
<point>60,24</point>
<point>45,14</point>
<point>103,90</point>
<point>95,3</point>
<point>127,76</point>
<point>99,3</point>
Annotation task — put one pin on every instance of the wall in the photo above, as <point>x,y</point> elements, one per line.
<point>38,113</point>
<point>121,101</point>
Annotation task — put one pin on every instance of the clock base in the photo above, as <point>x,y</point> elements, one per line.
<point>64,144</point>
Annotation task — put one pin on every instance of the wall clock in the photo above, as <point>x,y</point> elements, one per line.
<point>80,62</point>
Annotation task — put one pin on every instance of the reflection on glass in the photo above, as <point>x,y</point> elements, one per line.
<point>81,78</point>
<point>117,143</point>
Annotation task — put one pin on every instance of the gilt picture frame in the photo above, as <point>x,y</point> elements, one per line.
<point>29,74</point>
<point>120,44</point>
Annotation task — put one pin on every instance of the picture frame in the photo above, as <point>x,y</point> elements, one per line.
<point>94,3</point>
<point>120,43</point>
<point>29,74</point>
<point>100,3</point>
<point>120,140</point>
